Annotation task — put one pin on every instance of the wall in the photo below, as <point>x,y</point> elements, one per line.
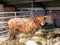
<point>1,10</point>
<point>56,15</point>
<point>4,8</point>
<point>9,9</point>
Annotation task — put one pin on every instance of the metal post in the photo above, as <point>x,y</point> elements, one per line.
<point>32,13</point>
<point>15,14</point>
<point>50,12</point>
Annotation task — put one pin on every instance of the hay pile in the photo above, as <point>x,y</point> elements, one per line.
<point>41,37</point>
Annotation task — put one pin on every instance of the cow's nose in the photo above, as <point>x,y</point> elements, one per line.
<point>42,24</point>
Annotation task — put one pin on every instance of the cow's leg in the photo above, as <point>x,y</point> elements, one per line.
<point>13,34</point>
<point>33,31</point>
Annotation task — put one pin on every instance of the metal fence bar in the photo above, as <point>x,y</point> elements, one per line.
<point>12,16</point>
<point>11,12</point>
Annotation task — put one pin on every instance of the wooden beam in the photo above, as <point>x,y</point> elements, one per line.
<point>42,0</point>
<point>27,1</point>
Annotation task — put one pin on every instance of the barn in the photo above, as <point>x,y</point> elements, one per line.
<point>50,9</point>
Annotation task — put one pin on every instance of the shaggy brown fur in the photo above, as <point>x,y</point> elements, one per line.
<point>25,25</point>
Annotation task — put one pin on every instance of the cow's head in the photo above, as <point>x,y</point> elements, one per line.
<point>41,20</point>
